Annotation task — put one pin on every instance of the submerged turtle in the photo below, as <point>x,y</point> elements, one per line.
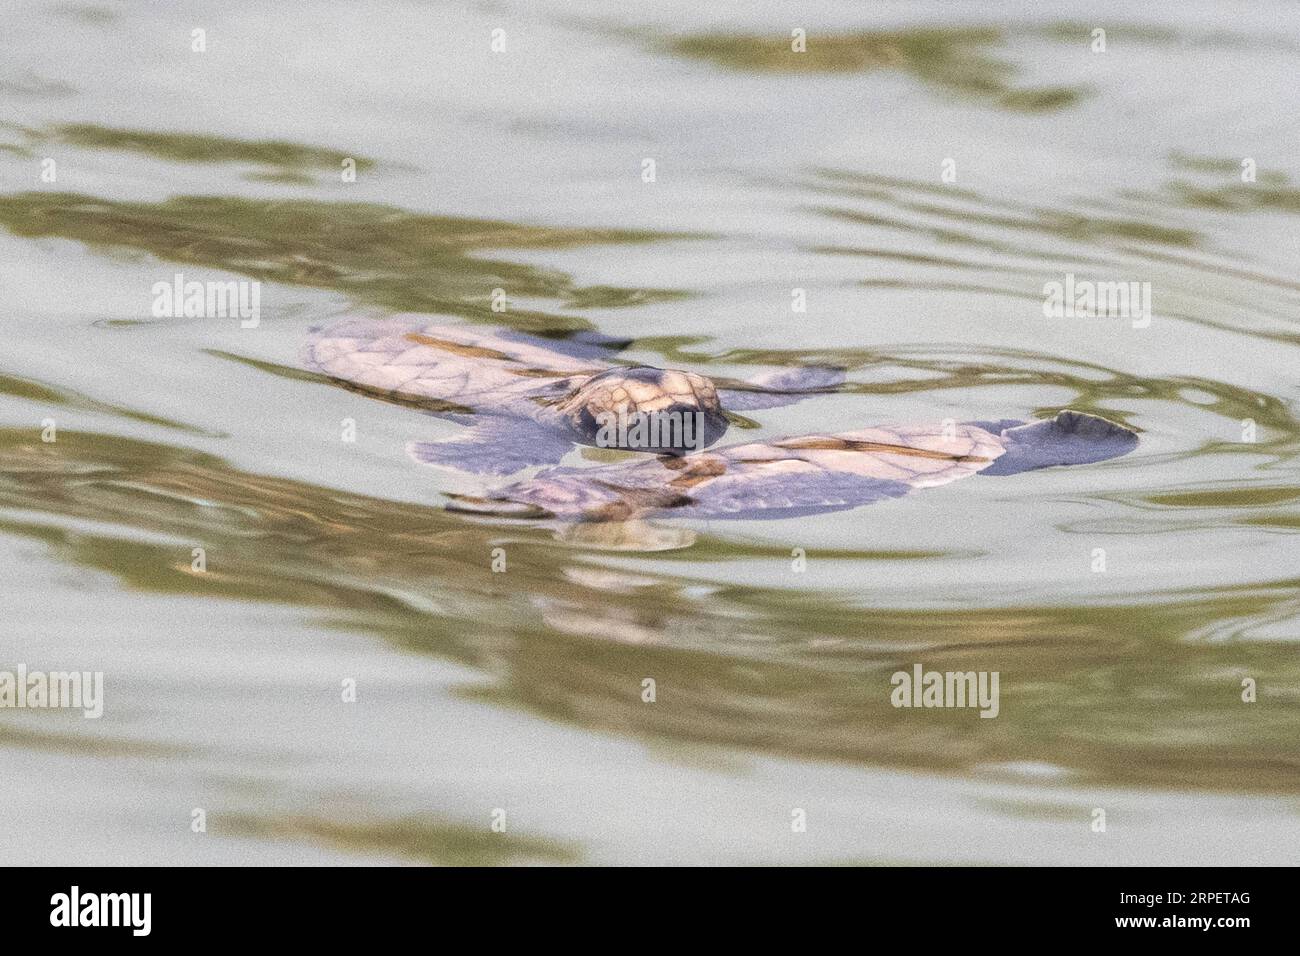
<point>529,398</point>
<point>810,474</point>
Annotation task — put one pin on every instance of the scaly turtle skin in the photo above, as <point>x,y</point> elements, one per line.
<point>810,474</point>
<point>527,398</point>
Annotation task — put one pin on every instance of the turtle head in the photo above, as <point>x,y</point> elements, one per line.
<point>642,408</point>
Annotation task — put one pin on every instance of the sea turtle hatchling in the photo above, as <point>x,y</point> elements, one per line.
<point>528,398</point>
<point>804,475</point>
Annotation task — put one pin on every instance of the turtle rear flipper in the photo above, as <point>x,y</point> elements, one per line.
<point>1071,438</point>
<point>496,446</point>
<point>783,387</point>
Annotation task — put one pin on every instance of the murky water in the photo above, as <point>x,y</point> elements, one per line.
<point>329,561</point>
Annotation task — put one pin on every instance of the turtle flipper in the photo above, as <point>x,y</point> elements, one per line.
<point>412,361</point>
<point>815,474</point>
<point>783,387</point>
<point>1071,438</point>
<point>495,446</point>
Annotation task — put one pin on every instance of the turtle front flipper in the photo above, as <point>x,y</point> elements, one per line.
<point>494,446</point>
<point>1071,438</point>
<point>783,387</point>
<point>413,361</point>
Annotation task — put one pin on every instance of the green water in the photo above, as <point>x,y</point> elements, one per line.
<point>476,692</point>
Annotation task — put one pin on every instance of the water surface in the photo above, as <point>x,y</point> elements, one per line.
<point>329,561</point>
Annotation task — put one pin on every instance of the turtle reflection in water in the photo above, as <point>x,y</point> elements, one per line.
<point>527,399</point>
